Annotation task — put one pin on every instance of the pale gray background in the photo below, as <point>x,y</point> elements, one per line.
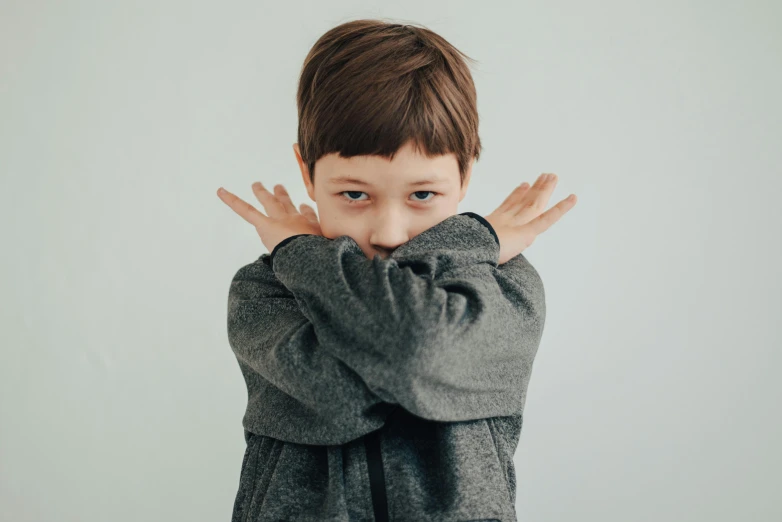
<point>656,392</point>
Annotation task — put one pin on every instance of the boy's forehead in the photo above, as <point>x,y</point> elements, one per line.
<point>426,179</point>
<point>412,169</point>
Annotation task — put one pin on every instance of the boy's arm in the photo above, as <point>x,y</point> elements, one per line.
<point>273,339</point>
<point>437,328</point>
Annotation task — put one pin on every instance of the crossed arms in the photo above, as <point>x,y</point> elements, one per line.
<point>438,328</point>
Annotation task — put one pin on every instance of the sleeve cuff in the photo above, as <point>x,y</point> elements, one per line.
<point>281,244</point>
<point>484,222</point>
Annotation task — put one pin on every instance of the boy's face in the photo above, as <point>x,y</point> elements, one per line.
<point>380,207</point>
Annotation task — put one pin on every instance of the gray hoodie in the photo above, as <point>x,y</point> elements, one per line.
<point>384,389</point>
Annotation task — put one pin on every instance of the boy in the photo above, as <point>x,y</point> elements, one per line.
<point>387,344</point>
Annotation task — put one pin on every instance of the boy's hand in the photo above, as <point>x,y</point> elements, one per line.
<point>283,220</point>
<point>518,220</point>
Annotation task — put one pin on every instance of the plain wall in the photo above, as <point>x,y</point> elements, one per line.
<point>656,392</point>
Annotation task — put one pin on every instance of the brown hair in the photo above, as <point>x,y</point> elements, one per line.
<point>367,87</point>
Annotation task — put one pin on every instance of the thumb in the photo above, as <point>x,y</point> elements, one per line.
<point>309,213</point>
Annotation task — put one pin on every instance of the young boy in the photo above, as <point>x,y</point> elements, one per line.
<point>387,344</point>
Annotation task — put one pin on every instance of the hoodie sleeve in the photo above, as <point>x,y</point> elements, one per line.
<point>297,391</point>
<point>437,328</point>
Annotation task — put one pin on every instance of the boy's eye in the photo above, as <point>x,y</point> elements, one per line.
<point>352,193</point>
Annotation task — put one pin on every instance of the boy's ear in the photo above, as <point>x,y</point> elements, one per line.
<point>305,172</point>
<point>466,181</point>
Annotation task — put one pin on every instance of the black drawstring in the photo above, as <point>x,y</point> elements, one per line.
<point>377,479</point>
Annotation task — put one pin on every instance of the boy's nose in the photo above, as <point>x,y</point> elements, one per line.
<point>388,238</point>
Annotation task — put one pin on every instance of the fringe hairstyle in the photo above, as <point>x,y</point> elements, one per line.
<point>367,87</point>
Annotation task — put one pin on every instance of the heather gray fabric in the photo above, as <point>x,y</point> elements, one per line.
<point>434,346</point>
<point>435,471</point>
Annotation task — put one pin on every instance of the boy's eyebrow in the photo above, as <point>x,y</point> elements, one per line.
<point>357,181</point>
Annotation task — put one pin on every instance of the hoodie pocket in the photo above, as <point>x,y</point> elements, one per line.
<point>502,456</point>
<point>245,489</point>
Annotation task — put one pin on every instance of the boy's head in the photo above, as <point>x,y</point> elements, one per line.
<point>391,106</point>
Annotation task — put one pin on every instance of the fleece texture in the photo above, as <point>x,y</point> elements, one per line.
<point>428,351</point>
